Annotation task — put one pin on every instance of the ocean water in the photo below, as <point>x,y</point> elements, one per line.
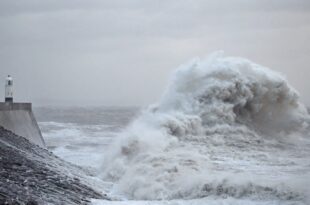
<point>80,135</point>
<point>226,131</point>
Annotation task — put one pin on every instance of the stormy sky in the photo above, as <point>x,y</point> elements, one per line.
<point>121,52</point>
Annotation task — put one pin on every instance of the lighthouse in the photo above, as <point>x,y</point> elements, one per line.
<point>9,89</point>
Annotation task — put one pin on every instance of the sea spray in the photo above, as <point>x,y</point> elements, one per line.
<point>220,119</point>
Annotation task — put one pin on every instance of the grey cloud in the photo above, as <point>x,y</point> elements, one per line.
<point>121,52</point>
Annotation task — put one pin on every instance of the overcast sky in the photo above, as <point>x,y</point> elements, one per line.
<point>121,52</point>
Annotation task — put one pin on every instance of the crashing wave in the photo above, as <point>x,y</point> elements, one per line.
<point>213,111</point>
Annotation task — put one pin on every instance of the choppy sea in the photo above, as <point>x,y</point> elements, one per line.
<point>82,136</point>
<point>226,131</point>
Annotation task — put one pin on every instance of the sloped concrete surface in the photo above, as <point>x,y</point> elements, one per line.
<point>30,174</point>
<point>18,118</point>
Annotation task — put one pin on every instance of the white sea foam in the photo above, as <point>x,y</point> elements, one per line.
<point>221,129</point>
<point>204,201</point>
<point>77,143</point>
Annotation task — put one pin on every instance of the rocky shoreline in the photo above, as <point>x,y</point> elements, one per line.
<point>30,174</point>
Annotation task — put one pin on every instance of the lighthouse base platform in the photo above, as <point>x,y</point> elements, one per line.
<point>19,118</point>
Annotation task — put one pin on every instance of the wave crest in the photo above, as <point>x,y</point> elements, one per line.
<point>213,112</point>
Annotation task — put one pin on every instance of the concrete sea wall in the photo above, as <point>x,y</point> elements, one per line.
<point>18,118</point>
<point>33,175</point>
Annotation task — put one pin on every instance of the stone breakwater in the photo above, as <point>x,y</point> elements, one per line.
<point>30,174</point>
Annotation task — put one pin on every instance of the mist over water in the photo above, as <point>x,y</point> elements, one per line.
<point>226,128</point>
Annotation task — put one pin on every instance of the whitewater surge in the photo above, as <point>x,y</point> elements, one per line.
<point>225,127</point>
